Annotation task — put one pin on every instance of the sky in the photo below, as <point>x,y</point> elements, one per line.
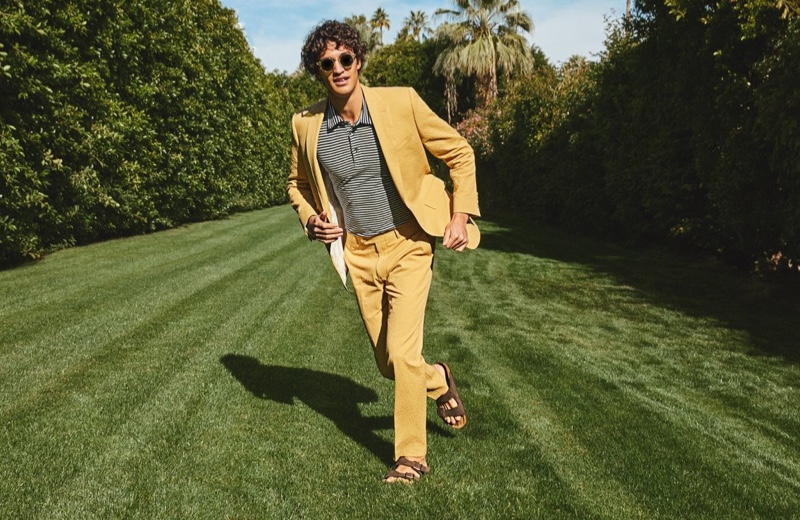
<point>275,29</point>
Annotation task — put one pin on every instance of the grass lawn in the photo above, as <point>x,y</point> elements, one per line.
<point>221,371</point>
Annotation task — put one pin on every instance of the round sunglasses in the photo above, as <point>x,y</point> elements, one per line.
<point>346,59</point>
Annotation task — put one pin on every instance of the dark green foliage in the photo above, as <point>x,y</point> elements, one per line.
<point>409,63</point>
<point>685,132</point>
<point>124,117</point>
<point>539,156</point>
<point>692,131</point>
<point>403,63</point>
<point>299,88</point>
<point>778,124</point>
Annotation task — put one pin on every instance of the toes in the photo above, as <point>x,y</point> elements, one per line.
<point>449,405</point>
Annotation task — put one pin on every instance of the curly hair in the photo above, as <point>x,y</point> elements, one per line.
<point>330,31</point>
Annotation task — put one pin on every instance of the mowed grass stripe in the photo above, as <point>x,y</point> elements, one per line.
<point>170,425</point>
<point>228,375</point>
<point>124,365</point>
<point>108,262</point>
<point>80,327</point>
<point>116,270</point>
<point>637,383</point>
<point>562,476</point>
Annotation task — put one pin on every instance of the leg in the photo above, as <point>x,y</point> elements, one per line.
<point>391,276</point>
<point>407,286</point>
<point>375,298</point>
<point>372,300</point>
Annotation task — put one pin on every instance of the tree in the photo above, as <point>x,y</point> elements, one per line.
<point>415,26</point>
<point>480,38</point>
<point>366,32</point>
<point>380,21</point>
<point>409,63</point>
<point>790,8</point>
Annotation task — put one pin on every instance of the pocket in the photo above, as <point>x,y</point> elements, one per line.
<point>424,241</point>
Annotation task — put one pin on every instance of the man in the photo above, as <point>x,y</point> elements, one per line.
<point>361,184</point>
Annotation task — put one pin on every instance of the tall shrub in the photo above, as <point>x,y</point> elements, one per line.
<point>684,133</point>
<point>123,117</point>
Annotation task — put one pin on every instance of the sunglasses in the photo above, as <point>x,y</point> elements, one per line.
<point>346,59</point>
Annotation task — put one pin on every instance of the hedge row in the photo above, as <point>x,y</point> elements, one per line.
<point>686,132</point>
<point>128,116</point>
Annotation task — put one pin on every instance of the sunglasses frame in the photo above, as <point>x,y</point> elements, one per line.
<point>344,55</point>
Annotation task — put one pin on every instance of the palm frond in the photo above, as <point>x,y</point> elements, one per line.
<point>480,37</point>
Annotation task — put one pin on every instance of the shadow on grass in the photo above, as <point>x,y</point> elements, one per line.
<point>330,395</point>
<point>766,310</point>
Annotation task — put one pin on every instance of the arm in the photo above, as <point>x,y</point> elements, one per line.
<point>445,143</point>
<point>301,196</point>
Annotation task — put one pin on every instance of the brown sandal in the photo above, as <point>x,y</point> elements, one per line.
<point>452,393</point>
<point>420,470</point>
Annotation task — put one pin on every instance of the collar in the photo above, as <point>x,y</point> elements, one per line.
<point>333,119</point>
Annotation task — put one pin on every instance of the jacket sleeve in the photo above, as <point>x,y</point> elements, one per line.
<point>301,195</point>
<point>445,143</point>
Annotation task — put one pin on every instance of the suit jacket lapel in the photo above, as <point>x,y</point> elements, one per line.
<point>382,121</point>
<point>336,249</point>
<point>313,122</point>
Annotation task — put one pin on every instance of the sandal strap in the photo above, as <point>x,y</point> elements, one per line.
<point>458,411</point>
<point>445,397</point>
<point>413,464</point>
<point>450,394</point>
<point>420,469</point>
<point>396,474</point>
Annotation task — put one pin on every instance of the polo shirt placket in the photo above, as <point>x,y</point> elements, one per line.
<point>351,156</point>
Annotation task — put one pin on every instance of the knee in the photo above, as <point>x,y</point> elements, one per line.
<point>405,365</point>
<point>386,370</point>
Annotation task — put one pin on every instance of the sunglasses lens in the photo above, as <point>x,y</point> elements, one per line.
<point>326,64</point>
<point>346,60</point>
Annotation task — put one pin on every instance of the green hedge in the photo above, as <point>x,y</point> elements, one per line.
<point>685,133</point>
<point>123,117</point>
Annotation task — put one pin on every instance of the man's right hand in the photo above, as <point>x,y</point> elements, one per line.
<point>320,229</point>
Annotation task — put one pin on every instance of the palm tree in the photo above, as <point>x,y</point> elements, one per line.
<point>380,21</point>
<point>790,8</point>
<point>416,25</point>
<point>366,32</point>
<point>482,37</point>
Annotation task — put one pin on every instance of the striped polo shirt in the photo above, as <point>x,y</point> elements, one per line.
<point>353,159</point>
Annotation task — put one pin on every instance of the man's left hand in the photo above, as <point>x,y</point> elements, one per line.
<point>455,234</point>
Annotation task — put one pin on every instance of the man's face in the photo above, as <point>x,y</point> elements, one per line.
<point>339,82</point>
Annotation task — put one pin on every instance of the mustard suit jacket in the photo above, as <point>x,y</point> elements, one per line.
<point>405,127</point>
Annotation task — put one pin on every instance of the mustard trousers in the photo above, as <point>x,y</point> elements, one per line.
<point>391,275</point>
